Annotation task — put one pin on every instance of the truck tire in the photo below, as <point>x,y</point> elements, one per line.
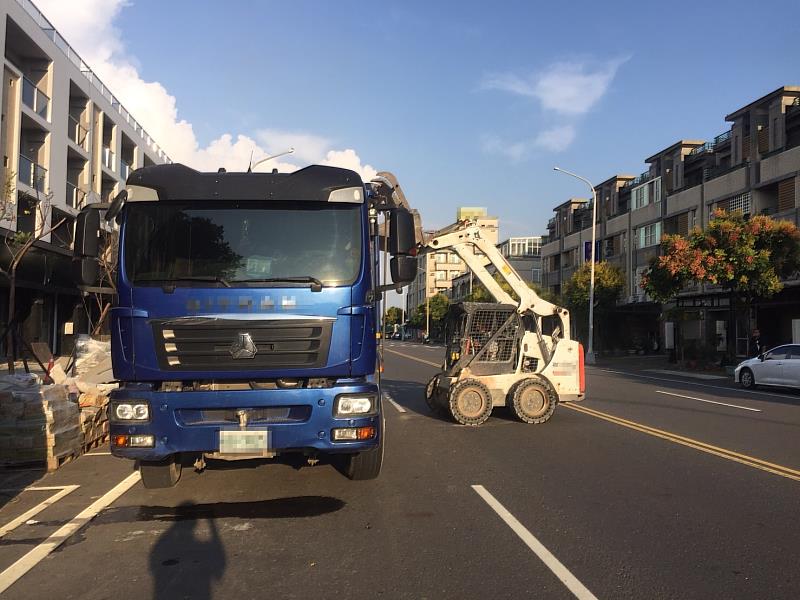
<point>159,474</point>
<point>364,465</point>
<point>470,402</point>
<point>431,393</point>
<point>533,401</point>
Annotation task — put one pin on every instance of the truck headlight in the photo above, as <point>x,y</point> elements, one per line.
<point>353,405</point>
<point>131,411</point>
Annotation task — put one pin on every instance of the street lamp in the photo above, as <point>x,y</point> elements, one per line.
<point>589,348</point>
<point>266,158</point>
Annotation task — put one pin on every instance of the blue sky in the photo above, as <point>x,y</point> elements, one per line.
<point>467,103</point>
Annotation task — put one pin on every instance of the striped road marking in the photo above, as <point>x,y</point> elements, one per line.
<point>43,550</point>
<point>422,360</point>
<point>743,459</point>
<point>708,401</point>
<point>61,491</point>
<point>559,570</point>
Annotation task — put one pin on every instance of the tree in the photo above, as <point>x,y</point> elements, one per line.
<point>479,292</point>
<point>748,257</point>
<point>437,305</point>
<point>394,316</point>
<point>609,281</point>
<point>38,208</point>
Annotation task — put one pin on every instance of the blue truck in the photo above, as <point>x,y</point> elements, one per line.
<point>246,312</point>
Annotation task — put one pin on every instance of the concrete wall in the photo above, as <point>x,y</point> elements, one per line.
<point>680,201</point>
<point>780,165</point>
<point>646,214</point>
<point>726,185</point>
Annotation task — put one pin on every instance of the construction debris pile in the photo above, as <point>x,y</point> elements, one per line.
<point>51,423</point>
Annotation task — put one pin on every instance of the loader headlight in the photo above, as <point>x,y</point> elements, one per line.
<point>349,405</point>
<point>131,411</point>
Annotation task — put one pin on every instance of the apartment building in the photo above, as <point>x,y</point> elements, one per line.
<point>753,167</point>
<point>436,271</point>
<point>523,253</point>
<point>64,136</point>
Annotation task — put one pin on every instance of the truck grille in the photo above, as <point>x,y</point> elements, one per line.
<point>255,416</point>
<point>232,345</point>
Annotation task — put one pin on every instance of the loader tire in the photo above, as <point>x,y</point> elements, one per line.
<point>533,401</point>
<point>431,393</point>
<point>470,402</point>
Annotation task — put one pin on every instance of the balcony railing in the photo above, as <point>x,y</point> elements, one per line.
<point>32,174</point>
<point>76,197</point>
<point>50,31</point>
<point>638,180</point>
<point>722,137</point>
<point>108,158</point>
<point>707,147</point>
<point>124,169</point>
<point>78,133</point>
<point>35,99</point>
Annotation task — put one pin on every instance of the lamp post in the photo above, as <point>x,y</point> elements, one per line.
<point>589,348</point>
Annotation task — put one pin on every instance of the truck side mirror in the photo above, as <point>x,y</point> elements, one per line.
<point>404,269</point>
<point>85,268</point>
<point>402,238</point>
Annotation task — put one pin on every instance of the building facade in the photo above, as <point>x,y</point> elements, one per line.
<point>67,139</point>
<point>754,167</point>
<point>436,271</point>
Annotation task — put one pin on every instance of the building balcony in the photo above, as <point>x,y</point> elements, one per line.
<point>35,99</point>
<point>685,200</point>
<point>551,278</point>
<point>76,197</point>
<point>78,134</point>
<point>644,177</point>
<point>781,164</point>
<point>32,174</point>
<point>645,214</point>
<point>551,248</point>
<point>617,224</point>
<point>726,183</point>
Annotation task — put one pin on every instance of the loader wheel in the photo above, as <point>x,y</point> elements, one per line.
<point>431,393</point>
<point>533,402</point>
<point>470,402</point>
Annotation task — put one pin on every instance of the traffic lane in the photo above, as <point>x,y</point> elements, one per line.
<point>781,395</point>
<point>772,434</point>
<point>276,530</point>
<point>93,474</point>
<point>633,515</point>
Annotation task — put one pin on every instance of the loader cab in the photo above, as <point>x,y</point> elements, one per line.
<point>482,336</point>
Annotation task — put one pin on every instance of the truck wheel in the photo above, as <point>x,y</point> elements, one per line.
<point>431,393</point>
<point>470,402</point>
<point>364,465</point>
<point>533,402</point>
<point>158,474</point>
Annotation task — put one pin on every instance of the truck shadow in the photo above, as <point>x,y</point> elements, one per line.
<point>14,480</point>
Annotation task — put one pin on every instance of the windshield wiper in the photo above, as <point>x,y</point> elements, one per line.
<point>316,284</point>
<point>169,282</point>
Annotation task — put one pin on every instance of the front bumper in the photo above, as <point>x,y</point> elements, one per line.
<point>297,420</point>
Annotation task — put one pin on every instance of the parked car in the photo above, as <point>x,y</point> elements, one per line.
<point>779,366</point>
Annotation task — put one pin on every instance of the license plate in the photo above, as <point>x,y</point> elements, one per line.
<point>244,442</point>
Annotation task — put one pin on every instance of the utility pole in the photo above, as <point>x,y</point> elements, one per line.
<point>427,316</point>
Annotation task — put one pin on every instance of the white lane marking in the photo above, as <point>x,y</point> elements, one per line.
<point>98,454</point>
<point>705,385</point>
<point>395,404</point>
<point>559,570</point>
<point>61,491</point>
<point>709,401</point>
<point>35,556</point>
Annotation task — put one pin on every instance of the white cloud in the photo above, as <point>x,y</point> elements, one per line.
<point>556,139</point>
<point>88,26</point>
<point>566,88</point>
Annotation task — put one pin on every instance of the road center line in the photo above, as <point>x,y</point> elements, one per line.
<point>705,385</point>
<point>559,570</point>
<point>422,360</point>
<point>29,514</point>
<point>395,404</point>
<point>40,552</point>
<point>709,401</point>
<point>743,459</point>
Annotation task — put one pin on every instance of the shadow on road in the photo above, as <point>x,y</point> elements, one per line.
<point>13,481</point>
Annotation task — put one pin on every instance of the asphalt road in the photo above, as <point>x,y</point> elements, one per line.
<point>654,487</point>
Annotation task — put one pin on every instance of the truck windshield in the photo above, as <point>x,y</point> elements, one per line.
<point>266,243</point>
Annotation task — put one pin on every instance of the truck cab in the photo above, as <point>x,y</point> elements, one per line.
<point>246,316</point>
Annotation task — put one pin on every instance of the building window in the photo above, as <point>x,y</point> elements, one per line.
<point>649,235</point>
<point>441,275</point>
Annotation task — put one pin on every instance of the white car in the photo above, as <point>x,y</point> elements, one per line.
<point>779,366</point>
